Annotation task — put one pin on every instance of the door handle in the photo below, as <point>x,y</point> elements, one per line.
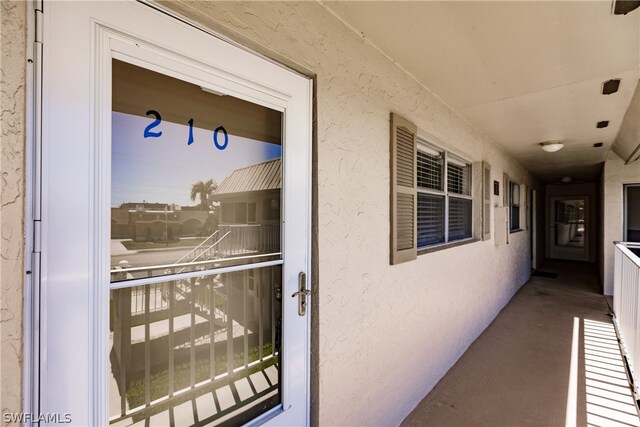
<point>302,293</point>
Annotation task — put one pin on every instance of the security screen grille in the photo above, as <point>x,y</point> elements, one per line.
<point>444,214</point>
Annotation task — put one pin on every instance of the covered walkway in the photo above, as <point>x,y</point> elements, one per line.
<point>519,372</point>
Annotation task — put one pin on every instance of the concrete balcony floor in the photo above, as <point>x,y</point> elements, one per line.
<point>519,371</point>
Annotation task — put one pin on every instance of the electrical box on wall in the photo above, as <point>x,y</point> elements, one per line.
<point>501,227</point>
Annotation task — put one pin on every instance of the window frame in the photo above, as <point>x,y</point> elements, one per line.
<point>625,212</point>
<point>511,184</point>
<point>424,146</point>
<point>252,206</point>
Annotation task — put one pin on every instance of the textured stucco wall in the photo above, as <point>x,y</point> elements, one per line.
<point>386,333</point>
<point>616,174</point>
<point>12,145</point>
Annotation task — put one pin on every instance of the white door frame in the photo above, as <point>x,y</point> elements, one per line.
<point>534,228</point>
<point>625,207</point>
<point>75,299</point>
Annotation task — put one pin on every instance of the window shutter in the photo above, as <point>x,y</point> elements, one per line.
<point>486,201</point>
<point>524,210</point>
<point>403,190</point>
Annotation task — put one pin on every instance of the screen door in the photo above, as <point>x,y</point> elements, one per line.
<point>175,224</point>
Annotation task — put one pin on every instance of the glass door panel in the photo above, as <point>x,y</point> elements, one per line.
<point>570,217</point>
<point>196,180</point>
<point>196,177</point>
<point>202,350</point>
<point>165,253</point>
<point>569,232</point>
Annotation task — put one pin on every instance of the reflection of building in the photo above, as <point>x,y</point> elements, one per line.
<point>250,208</point>
<point>156,221</point>
<point>226,326</point>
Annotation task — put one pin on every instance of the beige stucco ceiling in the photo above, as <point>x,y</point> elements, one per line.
<point>521,72</point>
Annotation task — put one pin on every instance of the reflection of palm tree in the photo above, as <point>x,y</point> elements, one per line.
<point>204,190</point>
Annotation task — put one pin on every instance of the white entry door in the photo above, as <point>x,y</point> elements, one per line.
<point>175,224</point>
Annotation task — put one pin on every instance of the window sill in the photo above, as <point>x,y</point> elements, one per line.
<point>517,230</point>
<point>444,246</point>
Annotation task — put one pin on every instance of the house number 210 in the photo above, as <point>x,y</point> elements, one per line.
<point>149,133</point>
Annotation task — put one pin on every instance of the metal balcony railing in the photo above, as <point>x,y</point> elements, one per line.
<point>249,238</point>
<point>626,303</point>
<point>178,340</point>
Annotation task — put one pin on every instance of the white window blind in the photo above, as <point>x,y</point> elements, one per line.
<point>430,219</point>
<point>459,218</point>
<point>430,170</point>
<point>444,213</point>
<point>458,178</point>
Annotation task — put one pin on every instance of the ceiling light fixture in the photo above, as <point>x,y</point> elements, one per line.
<point>566,179</point>
<point>551,146</point>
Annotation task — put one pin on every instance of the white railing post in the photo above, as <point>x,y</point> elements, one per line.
<point>617,281</point>
<point>626,304</point>
<point>633,272</point>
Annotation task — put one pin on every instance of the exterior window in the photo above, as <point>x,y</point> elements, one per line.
<point>227,213</point>
<point>632,213</point>
<point>251,212</point>
<point>444,196</point>
<point>514,206</point>
<point>271,209</point>
<point>240,213</point>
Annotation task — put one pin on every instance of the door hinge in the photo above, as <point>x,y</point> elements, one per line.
<point>37,118</point>
<point>37,236</point>
<point>39,16</point>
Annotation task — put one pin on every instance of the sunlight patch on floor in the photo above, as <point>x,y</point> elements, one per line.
<point>609,399</point>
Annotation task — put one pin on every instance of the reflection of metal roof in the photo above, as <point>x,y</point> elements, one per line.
<point>262,176</point>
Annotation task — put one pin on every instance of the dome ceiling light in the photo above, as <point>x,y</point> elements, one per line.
<point>551,146</point>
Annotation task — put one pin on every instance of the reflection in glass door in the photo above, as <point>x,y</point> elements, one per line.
<point>569,233</point>
<point>196,262</point>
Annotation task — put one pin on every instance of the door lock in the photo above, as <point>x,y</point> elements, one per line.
<point>302,293</point>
